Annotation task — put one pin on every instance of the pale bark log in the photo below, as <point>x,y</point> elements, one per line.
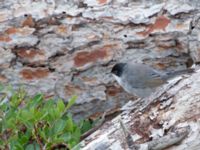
<point>168,119</point>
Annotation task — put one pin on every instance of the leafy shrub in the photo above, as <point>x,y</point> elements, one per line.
<point>36,123</point>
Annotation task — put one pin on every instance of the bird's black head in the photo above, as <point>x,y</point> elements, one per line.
<point>118,69</point>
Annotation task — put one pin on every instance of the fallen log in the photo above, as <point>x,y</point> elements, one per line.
<point>168,119</point>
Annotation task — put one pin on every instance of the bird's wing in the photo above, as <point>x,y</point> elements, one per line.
<point>154,82</point>
<point>144,78</point>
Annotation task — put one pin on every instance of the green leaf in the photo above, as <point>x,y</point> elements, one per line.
<point>33,146</point>
<point>26,118</point>
<point>42,134</point>
<point>65,137</point>
<point>76,135</point>
<point>44,114</point>
<point>60,105</point>
<point>49,107</point>
<point>85,126</point>
<point>70,124</point>
<point>15,100</point>
<point>52,115</point>
<point>59,126</point>
<point>56,113</point>
<point>10,123</point>
<point>23,139</point>
<point>72,144</point>
<point>49,104</point>
<point>4,107</point>
<point>15,145</point>
<point>46,132</point>
<point>71,102</point>
<point>36,101</point>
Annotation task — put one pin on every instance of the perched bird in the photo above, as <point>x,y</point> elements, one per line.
<point>140,79</point>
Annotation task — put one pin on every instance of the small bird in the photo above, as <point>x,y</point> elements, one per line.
<point>141,79</point>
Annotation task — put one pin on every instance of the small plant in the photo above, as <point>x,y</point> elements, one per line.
<point>36,123</point>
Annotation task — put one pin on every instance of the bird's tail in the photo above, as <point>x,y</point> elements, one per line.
<point>173,74</point>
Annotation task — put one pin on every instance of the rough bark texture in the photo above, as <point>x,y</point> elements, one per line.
<point>168,119</point>
<point>66,47</point>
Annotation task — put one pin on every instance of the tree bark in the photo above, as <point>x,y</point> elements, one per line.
<point>168,119</point>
